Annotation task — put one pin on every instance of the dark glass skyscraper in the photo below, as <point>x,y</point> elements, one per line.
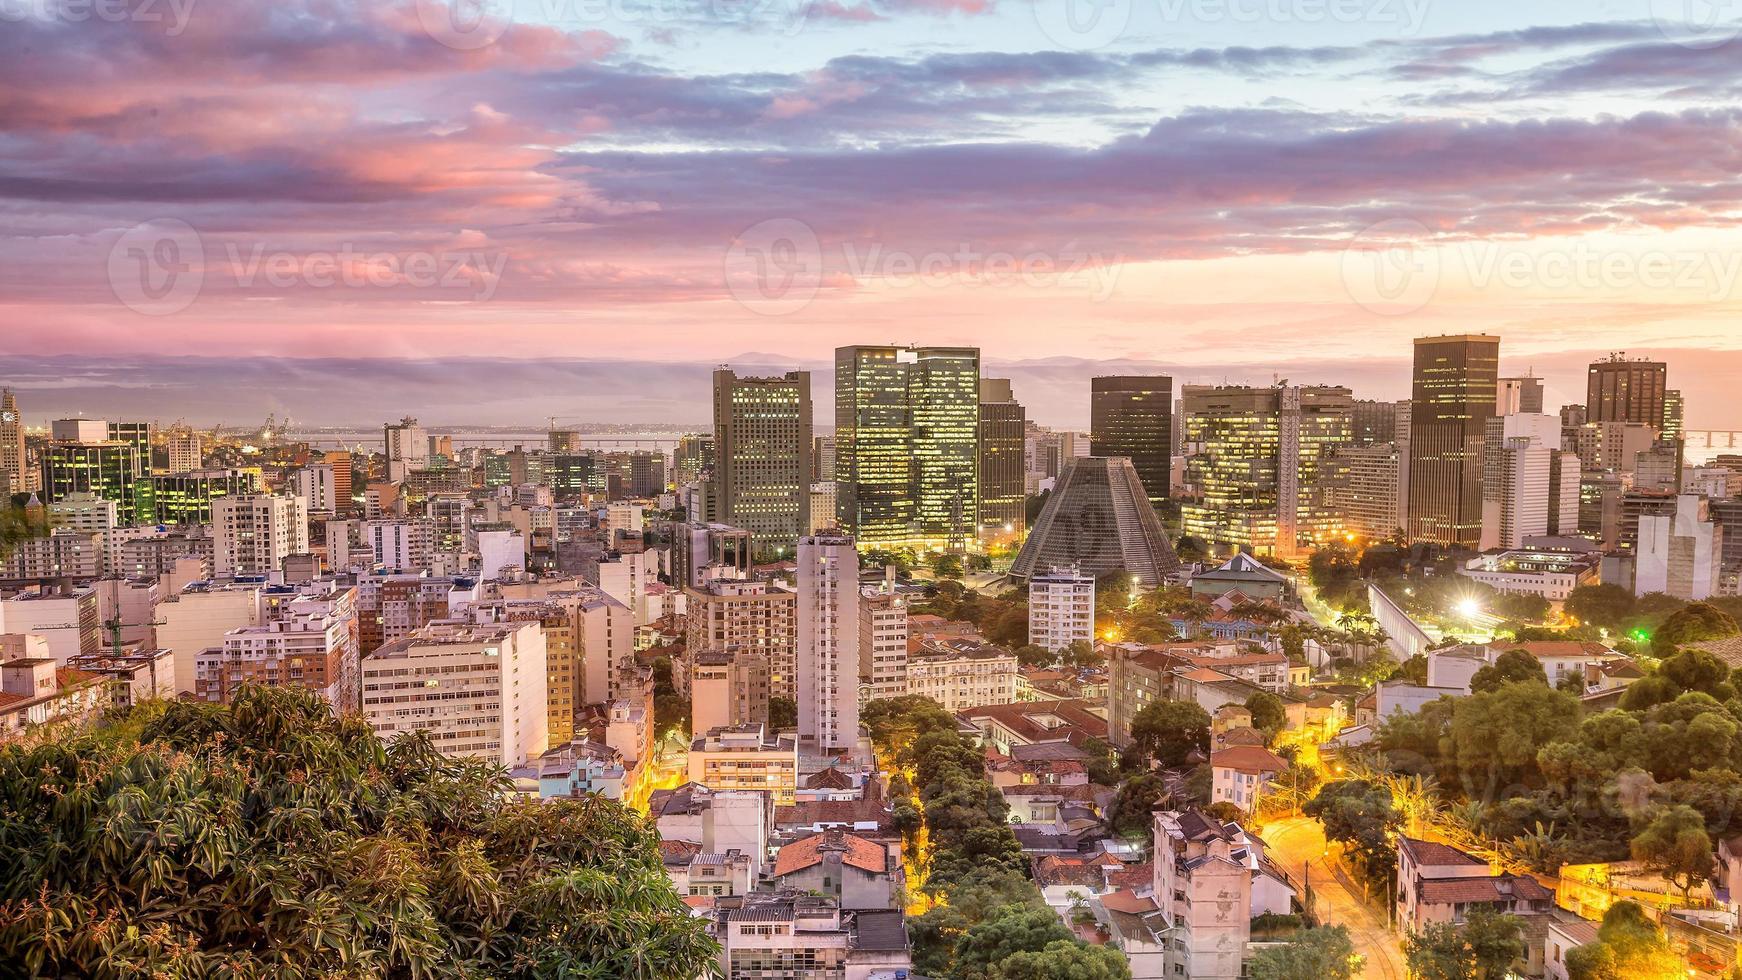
<point>1003,504</point>
<point>1455,387</point>
<point>762,463</point>
<point>907,444</point>
<point>1619,390</point>
<point>1132,416</point>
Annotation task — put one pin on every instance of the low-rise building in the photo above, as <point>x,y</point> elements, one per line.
<point>1549,573</point>
<point>35,690</point>
<point>1240,774</point>
<point>961,674</point>
<point>1438,884</point>
<point>746,757</point>
<point>785,934</point>
<point>1061,609</point>
<point>135,674</point>
<point>857,873</point>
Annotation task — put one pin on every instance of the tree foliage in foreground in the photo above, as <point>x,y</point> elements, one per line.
<point>1484,947</point>
<point>270,839</point>
<point>1313,954</point>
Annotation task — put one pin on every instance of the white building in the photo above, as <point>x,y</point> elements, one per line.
<point>252,533</point>
<point>828,642</point>
<point>882,644</point>
<point>607,647</point>
<point>1680,554</point>
<point>1535,571</point>
<point>185,454</point>
<point>315,485</point>
<point>85,512</point>
<point>1204,892</point>
<point>625,577</point>
<point>401,546</point>
<point>1527,483</point>
<point>407,447</point>
<point>963,674</point>
<point>198,618</point>
<point>501,554</point>
<point>1061,609</point>
<point>479,690</point>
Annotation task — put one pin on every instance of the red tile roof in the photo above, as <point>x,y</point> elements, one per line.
<point>1443,891</point>
<point>1427,853</point>
<point>855,851</point>
<point>1247,758</point>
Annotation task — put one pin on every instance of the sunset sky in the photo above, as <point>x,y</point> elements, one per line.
<point>1238,189</point>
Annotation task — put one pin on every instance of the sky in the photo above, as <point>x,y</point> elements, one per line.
<point>499,210</point>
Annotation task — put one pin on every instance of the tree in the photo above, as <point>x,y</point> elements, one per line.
<point>1015,928</point>
<point>1511,667</point>
<point>1484,948</point>
<point>671,710</point>
<point>1414,670</point>
<point>946,566</point>
<point>1496,736</point>
<point>1169,731</point>
<point>1132,812</point>
<point>1691,624</point>
<point>1676,845</point>
<point>1629,946</point>
<point>1359,814</point>
<point>1269,715</point>
<point>1064,960</point>
<point>1031,655</point>
<point>267,838</point>
<point>1606,606</point>
<point>782,713</point>
<point>1697,670</point>
<point>1082,655</point>
<point>1313,954</point>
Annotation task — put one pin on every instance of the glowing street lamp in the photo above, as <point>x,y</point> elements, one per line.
<point>1469,608</point>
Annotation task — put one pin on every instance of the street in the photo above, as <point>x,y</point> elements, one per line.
<point>1297,844</point>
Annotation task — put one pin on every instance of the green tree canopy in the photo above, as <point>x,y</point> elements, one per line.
<point>1325,953</point>
<point>1064,960</point>
<point>1269,715</point>
<point>1692,623</point>
<point>1606,606</point>
<point>1484,948</point>
<point>1629,946</point>
<point>1675,844</point>
<point>1168,731</point>
<point>1508,668</point>
<point>1359,814</point>
<point>269,839</point>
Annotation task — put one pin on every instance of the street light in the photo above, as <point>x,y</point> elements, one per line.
<point>1469,608</point>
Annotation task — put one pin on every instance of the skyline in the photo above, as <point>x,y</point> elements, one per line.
<point>653,180</point>
<point>1055,391</point>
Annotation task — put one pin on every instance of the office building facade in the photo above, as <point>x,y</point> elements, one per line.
<point>1132,416</point>
<point>762,469</point>
<point>1454,392</point>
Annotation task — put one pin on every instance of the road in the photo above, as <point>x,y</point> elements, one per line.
<point>1298,845</point>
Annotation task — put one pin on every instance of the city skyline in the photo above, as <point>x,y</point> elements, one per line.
<point>523,392</point>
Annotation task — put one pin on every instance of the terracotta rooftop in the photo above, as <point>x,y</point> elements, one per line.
<point>1248,758</point>
<point>855,851</point>
<point>830,778</point>
<point>1026,721</point>
<point>1440,891</point>
<point>1427,853</point>
<point>810,813</point>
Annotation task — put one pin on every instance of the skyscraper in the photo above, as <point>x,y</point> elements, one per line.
<point>1519,396</point>
<point>105,468</point>
<point>11,444</point>
<point>907,443</point>
<point>1520,488</point>
<point>1132,416</point>
<point>1673,409</point>
<point>828,642</point>
<point>1003,425</point>
<point>762,440</point>
<point>1455,388</point>
<point>1259,451</point>
<point>1619,390</point>
<point>252,533</point>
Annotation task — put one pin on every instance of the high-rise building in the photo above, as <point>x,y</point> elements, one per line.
<point>762,468</point>
<point>1620,390</point>
<point>310,642</point>
<point>1372,422</point>
<point>1003,504</point>
<point>12,458</point>
<point>741,616</point>
<point>907,433</point>
<point>1680,551</point>
<point>186,498</point>
<point>401,546</point>
<point>822,459</point>
<point>1256,458</point>
<point>107,469</point>
<point>828,643</point>
<point>137,435</point>
<point>407,447</point>
<point>477,689</point>
<point>252,533</point>
<point>1673,410</point>
<point>184,449</point>
<point>1061,609</point>
<point>1519,396</point>
<point>340,461</point>
<point>1099,519</point>
<point>1132,416</point>
<point>1360,489</point>
<point>1454,388</point>
<point>1519,491</point>
<point>882,643</point>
